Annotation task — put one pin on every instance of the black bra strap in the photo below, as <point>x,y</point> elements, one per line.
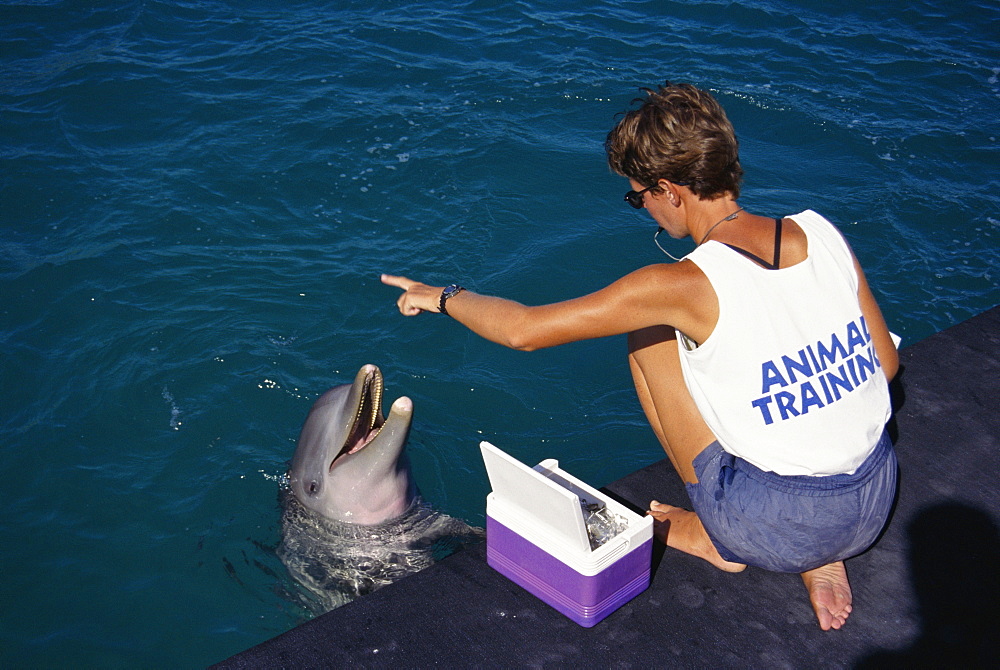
<point>777,250</point>
<point>751,256</point>
<point>777,245</point>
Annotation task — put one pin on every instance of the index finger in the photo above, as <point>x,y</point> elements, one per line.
<point>399,282</point>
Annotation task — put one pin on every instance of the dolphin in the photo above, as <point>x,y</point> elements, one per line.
<point>353,518</point>
<point>350,464</point>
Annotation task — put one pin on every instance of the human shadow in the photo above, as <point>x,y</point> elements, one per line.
<point>954,556</point>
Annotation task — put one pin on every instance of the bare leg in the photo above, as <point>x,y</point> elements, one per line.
<point>830,594</point>
<point>659,383</point>
<point>669,408</point>
<point>677,423</point>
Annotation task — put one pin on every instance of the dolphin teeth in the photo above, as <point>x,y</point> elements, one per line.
<point>368,420</point>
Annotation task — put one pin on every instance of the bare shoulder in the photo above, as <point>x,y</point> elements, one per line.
<point>681,292</point>
<point>795,246</point>
<point>669,278</point>
<point>756,234</point>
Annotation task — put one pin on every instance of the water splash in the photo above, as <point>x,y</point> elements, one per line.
<point>175,411</point>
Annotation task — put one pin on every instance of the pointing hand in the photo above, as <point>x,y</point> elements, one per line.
<point>416,297</point>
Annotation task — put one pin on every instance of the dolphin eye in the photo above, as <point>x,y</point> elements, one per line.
<point>313,487</point>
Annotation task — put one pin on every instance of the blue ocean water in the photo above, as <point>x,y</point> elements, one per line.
<point>197,198</point>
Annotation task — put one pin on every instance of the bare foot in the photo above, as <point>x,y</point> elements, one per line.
<point>682,529</point>
<point>830,594</point>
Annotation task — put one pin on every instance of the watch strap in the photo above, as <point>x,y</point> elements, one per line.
<point>449,291</point>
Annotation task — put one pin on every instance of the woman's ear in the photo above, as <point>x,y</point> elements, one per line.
<point>670,191</point>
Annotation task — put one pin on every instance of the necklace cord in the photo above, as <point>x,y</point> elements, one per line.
<point>716,225</point>
<point>730,217</point>
<point>657,243</point>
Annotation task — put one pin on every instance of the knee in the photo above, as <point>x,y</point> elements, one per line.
<point>647,337</point>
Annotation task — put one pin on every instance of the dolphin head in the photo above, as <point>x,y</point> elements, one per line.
<point>350,464</point>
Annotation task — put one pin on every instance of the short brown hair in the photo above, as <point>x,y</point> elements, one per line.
<point>679,133</point>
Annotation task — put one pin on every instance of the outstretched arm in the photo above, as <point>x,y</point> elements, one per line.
<point>654,295</point>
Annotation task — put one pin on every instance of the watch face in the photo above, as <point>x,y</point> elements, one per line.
<point>450,291</point>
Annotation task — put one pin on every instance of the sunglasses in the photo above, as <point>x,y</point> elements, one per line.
<point>634,198</point>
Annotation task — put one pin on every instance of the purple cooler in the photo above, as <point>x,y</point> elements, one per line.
<point>536,536</point>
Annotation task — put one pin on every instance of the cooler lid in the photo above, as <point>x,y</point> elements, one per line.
<point>550,507</point>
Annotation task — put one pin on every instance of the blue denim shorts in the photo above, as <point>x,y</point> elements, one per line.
<point>792,523</point>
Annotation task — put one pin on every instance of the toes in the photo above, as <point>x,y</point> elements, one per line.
<point>657,506</point>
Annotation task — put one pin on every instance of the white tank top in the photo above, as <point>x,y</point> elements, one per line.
<point>789,379</point>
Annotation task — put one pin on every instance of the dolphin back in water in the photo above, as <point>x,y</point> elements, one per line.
<point>353,520</point>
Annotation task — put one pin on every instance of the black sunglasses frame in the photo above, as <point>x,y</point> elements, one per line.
<point>634,198</point>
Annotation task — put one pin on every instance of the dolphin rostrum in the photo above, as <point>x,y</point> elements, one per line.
<point>353,520</point>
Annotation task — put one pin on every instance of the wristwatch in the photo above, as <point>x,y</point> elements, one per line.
<point>449,291</point>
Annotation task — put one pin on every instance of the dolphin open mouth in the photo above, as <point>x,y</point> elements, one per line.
<point>368,418</point>
<point>350,463</point>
